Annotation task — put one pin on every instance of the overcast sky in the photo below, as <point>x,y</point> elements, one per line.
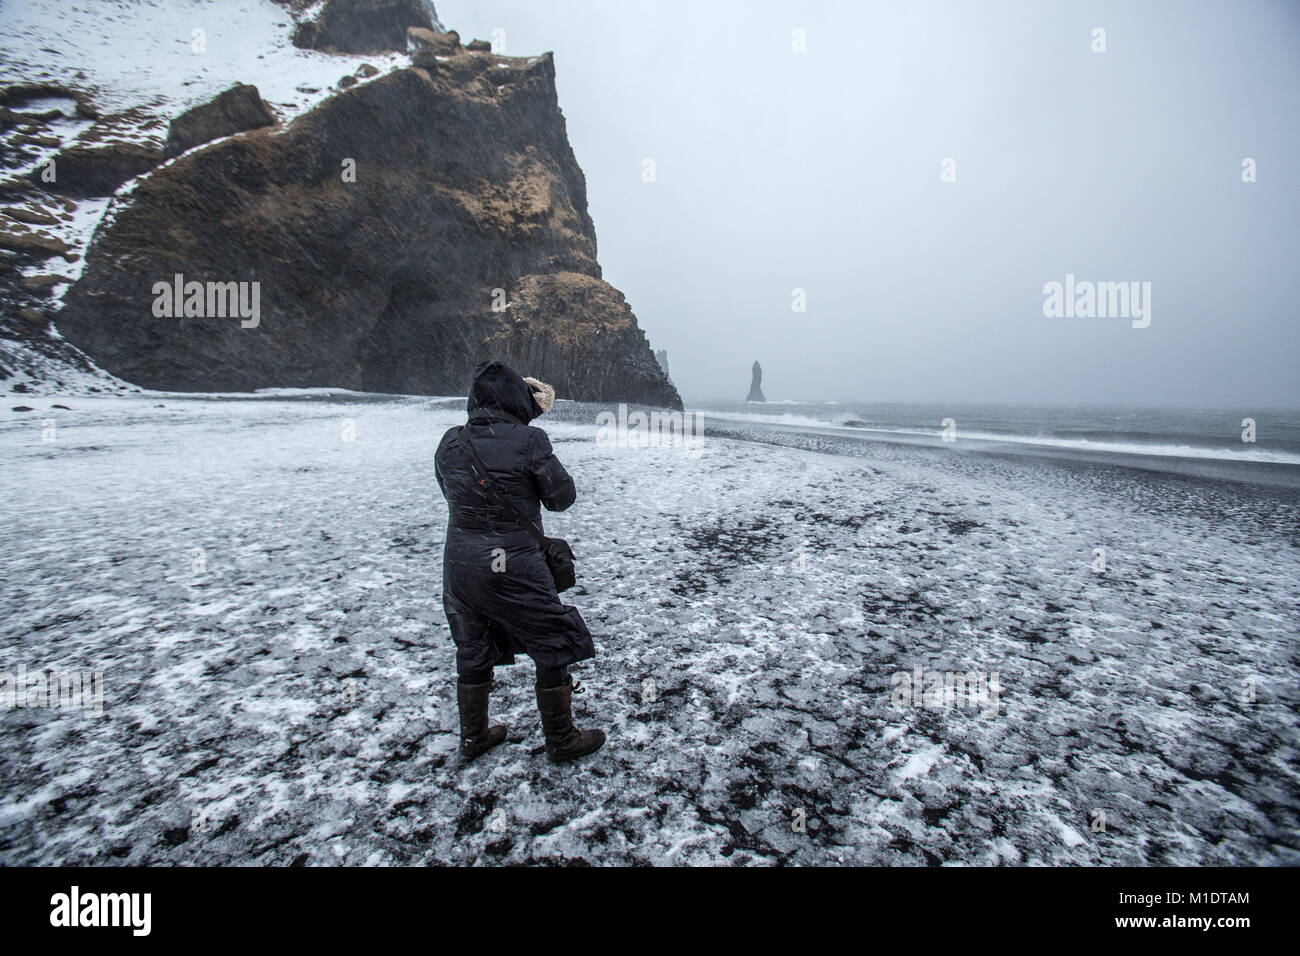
<point>778,170</point>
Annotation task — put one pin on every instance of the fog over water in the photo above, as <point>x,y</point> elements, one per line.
<point>822,170</point>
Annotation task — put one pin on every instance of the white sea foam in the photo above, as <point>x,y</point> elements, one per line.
<point>1156,449</point>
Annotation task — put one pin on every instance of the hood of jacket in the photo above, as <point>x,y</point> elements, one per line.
<point>499,391</point>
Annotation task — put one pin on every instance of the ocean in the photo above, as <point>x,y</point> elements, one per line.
<point>1202,441</point>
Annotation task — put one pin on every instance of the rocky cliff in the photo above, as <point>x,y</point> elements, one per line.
<point>409,225</point>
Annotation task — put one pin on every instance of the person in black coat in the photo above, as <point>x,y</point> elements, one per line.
<point>497,590</point>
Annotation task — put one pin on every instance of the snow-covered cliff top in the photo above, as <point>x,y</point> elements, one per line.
<point>165,56</point>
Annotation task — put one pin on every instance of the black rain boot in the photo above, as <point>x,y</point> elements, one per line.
<point>563,740</point>
<point>476,737</point>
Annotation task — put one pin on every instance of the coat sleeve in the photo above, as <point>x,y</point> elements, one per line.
<point>437,466</point>
<point>554,485</point>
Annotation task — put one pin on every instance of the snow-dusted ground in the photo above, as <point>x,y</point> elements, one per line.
<point>289,697</point>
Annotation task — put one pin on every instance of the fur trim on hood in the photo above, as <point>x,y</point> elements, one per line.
<point>543,394</point>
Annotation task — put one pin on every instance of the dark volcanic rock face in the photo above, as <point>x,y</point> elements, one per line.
<point>237,109</point>
<point>85,170</point>
<point>362,26</point>
<point>463,235</point>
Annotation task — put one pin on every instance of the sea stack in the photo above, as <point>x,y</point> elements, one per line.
<point>756,385</point>
<point>661,356</point>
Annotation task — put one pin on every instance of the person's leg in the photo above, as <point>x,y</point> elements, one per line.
<point>475,655</point>
<point>554,636</point>
<point>564,741</point>
<point>552,676</point>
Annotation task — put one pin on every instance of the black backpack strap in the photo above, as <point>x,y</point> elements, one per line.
<point>489,487</point>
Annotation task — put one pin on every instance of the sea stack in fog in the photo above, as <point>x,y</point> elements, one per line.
<point>756,385</point>
<point>661,356</point>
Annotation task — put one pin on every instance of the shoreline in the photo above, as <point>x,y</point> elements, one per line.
<point>1284,478</point>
